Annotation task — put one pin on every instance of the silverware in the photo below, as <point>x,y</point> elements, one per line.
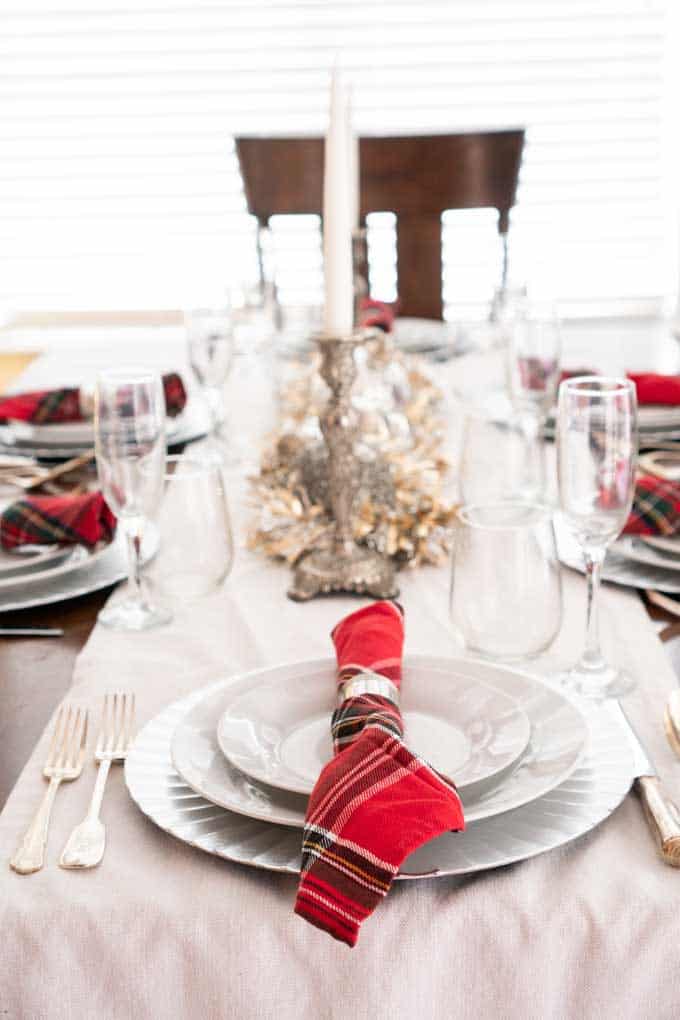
<point>661,813</point>
<point>671,720</point>
<point>85,845</point>
<point>31,632</point>
<point>64,763</point>
<point>40,476</point>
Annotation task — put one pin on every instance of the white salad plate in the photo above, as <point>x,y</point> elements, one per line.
<point>76,557</point>
<point>598,784</point>
<point>24,560</point>
<point>278,730</point>
<point>558,736</point>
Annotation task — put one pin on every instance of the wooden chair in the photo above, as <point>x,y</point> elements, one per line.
<point>417,177</point>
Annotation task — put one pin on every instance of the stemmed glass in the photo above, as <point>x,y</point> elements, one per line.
<point>596,457</point>
<point>129,420</point>
<point>210,342</point>
<point>533,365</point>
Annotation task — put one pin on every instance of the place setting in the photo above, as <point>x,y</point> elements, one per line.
<point>353,537</point>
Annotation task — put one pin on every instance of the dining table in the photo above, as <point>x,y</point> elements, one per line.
<point>162,929</point>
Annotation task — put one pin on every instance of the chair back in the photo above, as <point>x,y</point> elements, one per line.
<point>418,177</point>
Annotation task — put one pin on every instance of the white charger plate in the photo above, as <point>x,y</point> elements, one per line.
<point>557,741</point>
<point>276,727</point>
<point>595,788</point>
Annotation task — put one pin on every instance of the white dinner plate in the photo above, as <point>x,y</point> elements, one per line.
<point>641,552</point>
<point>62,434</point>
<point>594,789</point>
<point>278,730</point>
<point>669,545</point>
<point>557,741</point>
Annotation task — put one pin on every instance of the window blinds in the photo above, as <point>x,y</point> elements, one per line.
<point>119,186</point>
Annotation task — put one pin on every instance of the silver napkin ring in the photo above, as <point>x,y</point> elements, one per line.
<point>368,683</point>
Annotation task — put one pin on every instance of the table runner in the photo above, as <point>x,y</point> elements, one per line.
<point>162,930</point>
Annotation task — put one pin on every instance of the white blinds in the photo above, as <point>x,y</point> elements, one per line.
<point>119,187</point>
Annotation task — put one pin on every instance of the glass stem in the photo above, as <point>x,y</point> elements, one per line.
<point>134,551</point>
<point>592,656</point>
<point>216,406</point>
<point>534,455</point>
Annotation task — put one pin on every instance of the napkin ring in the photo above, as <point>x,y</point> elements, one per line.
<point>368,683</point>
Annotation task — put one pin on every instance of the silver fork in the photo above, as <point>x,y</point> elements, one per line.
<point>85,845</point>
<point>64,763</point>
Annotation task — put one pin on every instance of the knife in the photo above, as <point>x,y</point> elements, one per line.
<point>661,813</point>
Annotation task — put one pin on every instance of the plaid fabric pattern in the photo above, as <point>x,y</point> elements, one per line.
<point>656,507</point>
<point>64,520</point>
<point>175,394</point>
<point>50,407</point>
<point>656,389</point>
<point>375,802</point>
<point>42,407</point>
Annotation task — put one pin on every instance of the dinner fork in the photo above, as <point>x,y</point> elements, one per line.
<point>85,845</point>
<point>64,763</point>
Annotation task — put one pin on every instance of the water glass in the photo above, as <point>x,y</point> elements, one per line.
<point>506,589</point>
<point>491,466</point>
<point>596,459</point>
<point>197,548</point>
<point>129,422</point>
<point>210,344</point>
<point>533,370</point>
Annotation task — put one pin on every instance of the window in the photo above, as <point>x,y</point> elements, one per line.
<point>119,187</point>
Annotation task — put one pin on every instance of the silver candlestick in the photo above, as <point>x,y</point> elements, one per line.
<point>345,566</point>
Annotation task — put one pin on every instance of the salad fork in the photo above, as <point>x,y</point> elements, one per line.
<point>86,844</point>
<point>64,763</point>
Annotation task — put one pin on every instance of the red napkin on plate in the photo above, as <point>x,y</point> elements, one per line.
<point>656,507</point>
<point>50,407</point>
<point>57,520</point>
<point>375,802</point>
<point>656,389</point>
<point>378,314</point>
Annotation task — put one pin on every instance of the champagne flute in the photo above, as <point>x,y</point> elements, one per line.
<point>129,420</point>
<point>533,365</point>
<point>210,342</point>
<point>596,457</point>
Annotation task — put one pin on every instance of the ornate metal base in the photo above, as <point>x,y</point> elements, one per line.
<point>362,571</point>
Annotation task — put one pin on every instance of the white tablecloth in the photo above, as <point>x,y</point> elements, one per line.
<point>162,930</point>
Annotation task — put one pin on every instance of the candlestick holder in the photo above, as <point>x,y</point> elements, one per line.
<point>345,566</point>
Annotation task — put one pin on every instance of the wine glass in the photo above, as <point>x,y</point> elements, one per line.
<point>506,586</point>
<point>197,548</point>
<point>210,342</point>
<point>596,457</point>
<point>533,368</point>
<point>129,422</point>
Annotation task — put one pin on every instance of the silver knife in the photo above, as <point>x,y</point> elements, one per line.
<point>662,815</point>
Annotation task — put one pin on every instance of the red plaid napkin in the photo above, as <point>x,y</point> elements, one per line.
<point>656,507</point>
<point>375,802</point>
<point>49,407</point>
<point>62,520</point>
<point>378,314</point>
<point>656,389</point>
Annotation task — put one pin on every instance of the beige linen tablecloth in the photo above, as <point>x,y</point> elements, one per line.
<point>162,930</point>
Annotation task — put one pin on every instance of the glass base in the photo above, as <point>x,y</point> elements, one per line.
<point>132,615</point>
<point>597,684</point>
